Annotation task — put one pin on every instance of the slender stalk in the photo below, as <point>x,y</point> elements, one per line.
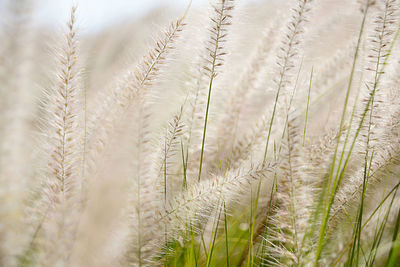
<point>205,127</point>
<point>395,248</point>
<point>226,237</point>
<point>222,20</point>
<point>285,68</point>
<point>308,104</point>
<point>327,207</point>
<point>184,164</point>
<point>212,245</point>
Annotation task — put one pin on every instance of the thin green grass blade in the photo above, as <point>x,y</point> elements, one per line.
<point>393,258</point>
<point>308,104</point>
<point>321,237</point>
<point>226,237</point>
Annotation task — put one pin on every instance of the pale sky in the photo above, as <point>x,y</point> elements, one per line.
<point>95,14</point>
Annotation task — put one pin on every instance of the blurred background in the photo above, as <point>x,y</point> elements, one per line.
<point>115,34</point>
<point>96,14</point>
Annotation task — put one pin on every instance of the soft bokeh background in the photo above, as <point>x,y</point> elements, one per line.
<point>97,14</point>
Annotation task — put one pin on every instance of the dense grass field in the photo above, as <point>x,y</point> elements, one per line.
<point>240,134</point>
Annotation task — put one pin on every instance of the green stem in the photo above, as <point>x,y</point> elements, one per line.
<point>308,104</point>
<point>212,76</point>
<point>321,237</point>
